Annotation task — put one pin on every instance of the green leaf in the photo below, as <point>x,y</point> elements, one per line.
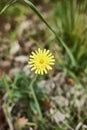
<point>17,95</point>
<point>33,106</point>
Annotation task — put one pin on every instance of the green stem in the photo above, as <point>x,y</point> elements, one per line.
<point>31,124</point>
<point>9,91</point>
<point>35,97</point>
<point>8,116</point>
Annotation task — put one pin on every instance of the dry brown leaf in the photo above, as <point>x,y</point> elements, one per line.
<point>20,122</point>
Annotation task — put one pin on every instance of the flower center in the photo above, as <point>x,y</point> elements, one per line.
<point>41,61</point>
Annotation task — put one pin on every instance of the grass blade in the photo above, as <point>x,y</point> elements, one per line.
<point>7,5</point>
<point>31,5</point>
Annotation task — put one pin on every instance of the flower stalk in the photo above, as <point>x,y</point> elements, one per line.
<point>35,97</point>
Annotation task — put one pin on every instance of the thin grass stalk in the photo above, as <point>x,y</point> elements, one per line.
<point>52,30</point>
<point>10,2</point>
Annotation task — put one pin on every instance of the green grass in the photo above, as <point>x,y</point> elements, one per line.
<point>69,18</point>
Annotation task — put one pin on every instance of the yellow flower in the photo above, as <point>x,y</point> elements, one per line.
<point>41,60</point>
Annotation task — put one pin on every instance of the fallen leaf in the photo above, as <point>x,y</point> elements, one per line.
<point>20,122</point>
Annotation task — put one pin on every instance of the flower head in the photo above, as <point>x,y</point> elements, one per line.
<point>41,60</point>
